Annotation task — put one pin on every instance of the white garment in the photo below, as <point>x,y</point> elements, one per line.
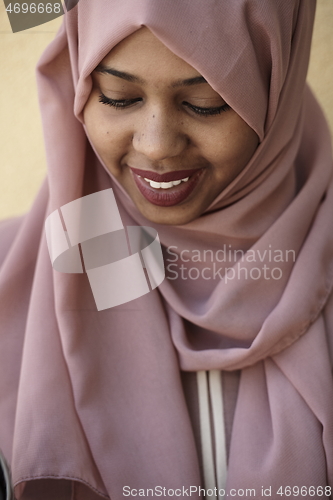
<point>212,432</point>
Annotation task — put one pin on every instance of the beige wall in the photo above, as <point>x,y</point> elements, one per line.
<point>22,162</point>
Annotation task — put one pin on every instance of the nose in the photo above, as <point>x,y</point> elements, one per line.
<point>159,135</point>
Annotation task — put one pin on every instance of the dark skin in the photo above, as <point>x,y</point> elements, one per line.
<point>159,114</point>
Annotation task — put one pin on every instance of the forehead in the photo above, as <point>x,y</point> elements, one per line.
<point>144,55</point>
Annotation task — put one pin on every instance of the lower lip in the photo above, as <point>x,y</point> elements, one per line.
<point>168,197</point>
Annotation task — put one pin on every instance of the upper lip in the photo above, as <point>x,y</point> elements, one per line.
<point>175,175</point>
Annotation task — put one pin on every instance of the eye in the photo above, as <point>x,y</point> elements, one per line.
<point>118,103</point>
<point>207,111</point>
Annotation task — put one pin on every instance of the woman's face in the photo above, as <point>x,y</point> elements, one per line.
<point>169,139</point>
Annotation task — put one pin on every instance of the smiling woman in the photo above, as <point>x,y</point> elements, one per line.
<point>195,118</point>
<point>169,139</point>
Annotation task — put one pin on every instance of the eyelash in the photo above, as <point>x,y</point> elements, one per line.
<point>118,103</point>
<point>125,103</point>
<point>207,111</point>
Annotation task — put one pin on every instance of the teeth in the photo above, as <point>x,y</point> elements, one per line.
<point>165,185</point>
<point>155,184</point>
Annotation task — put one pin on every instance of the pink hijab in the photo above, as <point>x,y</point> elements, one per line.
<point>96,397</point>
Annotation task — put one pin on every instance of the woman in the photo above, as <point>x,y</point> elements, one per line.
<point>222,377</point>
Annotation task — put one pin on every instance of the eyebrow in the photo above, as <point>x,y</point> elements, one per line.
<point>135,79</point>
<point>189,81</point>
<point>120,74</point>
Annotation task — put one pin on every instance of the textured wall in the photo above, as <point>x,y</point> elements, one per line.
<point>22,161</point>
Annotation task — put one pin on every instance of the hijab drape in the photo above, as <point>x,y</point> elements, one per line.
<point>96,397</point>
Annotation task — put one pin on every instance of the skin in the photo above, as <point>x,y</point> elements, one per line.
<point>159,129</point>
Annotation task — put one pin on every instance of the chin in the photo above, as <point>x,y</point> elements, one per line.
<point>169,216</point>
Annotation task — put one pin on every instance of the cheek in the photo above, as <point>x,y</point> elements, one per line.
<point>94,126</point>
<point>232,145</point>
<point>106,137</point>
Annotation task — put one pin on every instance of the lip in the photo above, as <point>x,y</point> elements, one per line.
<point>172,196</point>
